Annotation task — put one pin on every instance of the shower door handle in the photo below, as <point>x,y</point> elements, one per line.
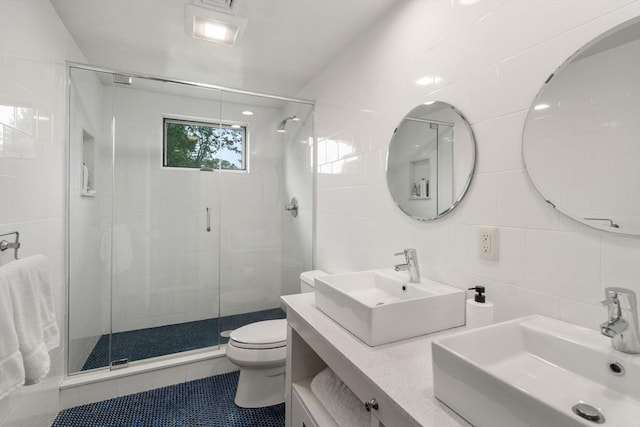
<point>208,220</point>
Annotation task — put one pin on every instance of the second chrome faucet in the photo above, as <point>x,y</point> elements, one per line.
<point>411,265</point>
<point>622,323</point>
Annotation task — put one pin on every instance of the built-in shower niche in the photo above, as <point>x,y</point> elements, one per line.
<point>87,169</point>
<point>419,179</point>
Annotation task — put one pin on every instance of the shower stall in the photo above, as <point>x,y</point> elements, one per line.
<point>180,221</point>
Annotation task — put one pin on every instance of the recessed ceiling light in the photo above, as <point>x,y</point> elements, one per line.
<point>541,107</point>
<point>206,24</point>
<point>247,113</point>
<point>215,31</point>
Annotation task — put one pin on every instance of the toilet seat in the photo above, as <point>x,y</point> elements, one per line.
<point>267,334</point>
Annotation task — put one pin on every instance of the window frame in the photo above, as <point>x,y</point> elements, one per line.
<point>210,123</point>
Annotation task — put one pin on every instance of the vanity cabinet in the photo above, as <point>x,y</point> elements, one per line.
<point>399,375</point>
<point>308,354</point>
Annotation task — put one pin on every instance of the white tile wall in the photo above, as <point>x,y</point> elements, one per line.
<point>298,179</point>
<point>492,58</point>
<point>33,47</point>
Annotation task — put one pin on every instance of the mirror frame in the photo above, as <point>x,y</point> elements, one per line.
<point>473,161</point>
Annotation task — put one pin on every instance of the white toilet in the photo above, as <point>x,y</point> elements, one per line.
<point>260,350</point>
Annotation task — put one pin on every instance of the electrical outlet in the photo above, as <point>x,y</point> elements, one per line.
<point>488,243</point>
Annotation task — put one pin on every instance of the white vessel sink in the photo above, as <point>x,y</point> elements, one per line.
<point>532,371</point>
<point>382,306</point>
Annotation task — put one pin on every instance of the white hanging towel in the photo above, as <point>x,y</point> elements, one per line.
<point>33,314</point>
<point>11,367</point>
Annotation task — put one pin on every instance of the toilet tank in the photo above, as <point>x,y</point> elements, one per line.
<point>306,279</point>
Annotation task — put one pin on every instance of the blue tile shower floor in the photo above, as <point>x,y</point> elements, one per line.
<point>207,402</point>
<point>163,340</point>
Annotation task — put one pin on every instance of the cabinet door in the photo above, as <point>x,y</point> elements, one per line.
<point>299,416</point>
<point>375,422</point>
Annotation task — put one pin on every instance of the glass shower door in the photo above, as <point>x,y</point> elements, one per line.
<point>178,231</point>
<point>263,248</point>
<point>166,223</point>
<point>90,177</point>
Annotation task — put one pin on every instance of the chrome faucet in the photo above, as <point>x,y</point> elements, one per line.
<point>411,264</point>
<point>622,324</point>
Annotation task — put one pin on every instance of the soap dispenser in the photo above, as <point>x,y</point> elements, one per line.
<point>479,310</point>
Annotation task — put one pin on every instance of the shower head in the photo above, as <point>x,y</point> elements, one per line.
<point>281,126</point>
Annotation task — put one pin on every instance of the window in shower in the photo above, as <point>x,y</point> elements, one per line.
<point>192,144</point>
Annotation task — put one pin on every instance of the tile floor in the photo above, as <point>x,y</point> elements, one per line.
<point>207,402</point>
<point>152,342</point>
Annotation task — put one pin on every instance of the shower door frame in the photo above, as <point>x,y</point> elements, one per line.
<point>222,89</point>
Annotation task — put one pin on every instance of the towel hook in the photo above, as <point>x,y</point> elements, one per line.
<point>4,245</point>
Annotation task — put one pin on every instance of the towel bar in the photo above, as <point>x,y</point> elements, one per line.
<point>4,245</point>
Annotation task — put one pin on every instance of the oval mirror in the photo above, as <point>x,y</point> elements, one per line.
<point>431,160</point>
<point>581,141</point>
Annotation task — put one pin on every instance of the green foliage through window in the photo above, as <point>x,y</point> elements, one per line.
<point>190,144</point>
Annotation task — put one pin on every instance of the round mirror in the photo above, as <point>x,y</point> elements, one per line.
<point>431,160</point>
<point>581,141</point>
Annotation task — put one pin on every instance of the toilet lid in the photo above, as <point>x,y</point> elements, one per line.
<point>265,334</point>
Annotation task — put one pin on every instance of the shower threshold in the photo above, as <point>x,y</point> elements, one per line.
<point>170,339</point>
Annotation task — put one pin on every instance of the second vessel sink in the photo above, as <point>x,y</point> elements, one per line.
<point>536,371</point>
<point>382,306</point>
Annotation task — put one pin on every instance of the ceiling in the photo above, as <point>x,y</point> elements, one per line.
<point>285,44</point>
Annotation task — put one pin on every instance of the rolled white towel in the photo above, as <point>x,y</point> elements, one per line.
<point>11,367</point>
<point>343,406</point>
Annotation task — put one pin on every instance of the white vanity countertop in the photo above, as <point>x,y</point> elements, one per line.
<point>401,370</point>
